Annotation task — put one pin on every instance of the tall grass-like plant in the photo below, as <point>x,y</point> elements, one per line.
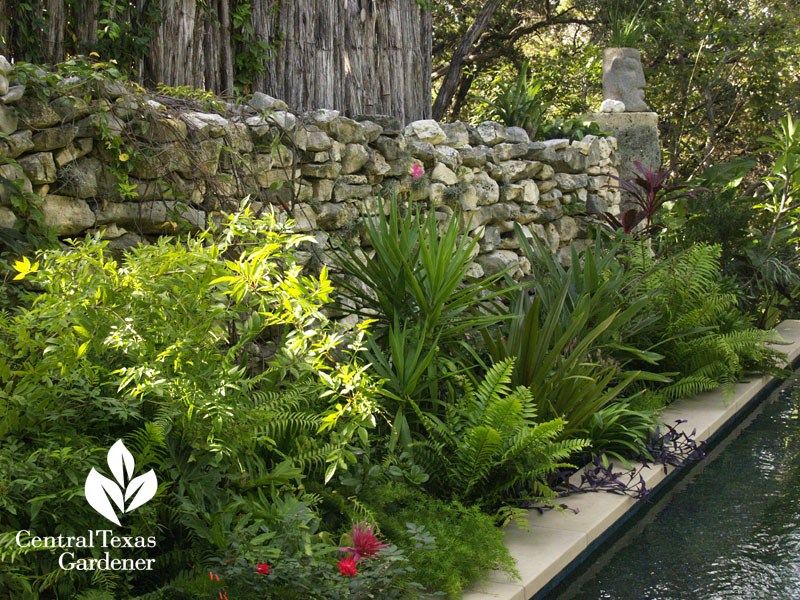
<point>599,276</point>
<point>553,360</point>
<point>627,28</point>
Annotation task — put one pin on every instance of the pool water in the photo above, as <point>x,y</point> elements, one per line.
<point>729,530</point>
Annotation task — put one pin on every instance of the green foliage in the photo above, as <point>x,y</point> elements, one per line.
<point>573,129</point>
<point>468,545</point>
<point>705,339</point>
<point>519,102</point>
<point>619,430</point>
<point>489,444</point>
<point>565,336</point>
<point>626,28</point>
<point>302,564</point>
<point>417,291</point>
<point>209,356</point>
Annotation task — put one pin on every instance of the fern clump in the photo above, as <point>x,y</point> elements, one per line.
<point>704,337</point>
<point>489,448</point>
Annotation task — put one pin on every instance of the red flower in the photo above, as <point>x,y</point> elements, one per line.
<point>213,576</point>
<point>365,544</point>
<point>417,170</point>
<point>347,566</point>
<point>262,568</point>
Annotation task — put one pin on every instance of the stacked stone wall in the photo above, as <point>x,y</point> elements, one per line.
<point>100,156</point>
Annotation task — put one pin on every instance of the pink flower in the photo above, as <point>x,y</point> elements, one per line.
<point>365,543</point>
<point>262,568</point>
<point>347,566</point>
<point>417,170</point>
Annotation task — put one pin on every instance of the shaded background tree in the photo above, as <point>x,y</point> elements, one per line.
<point>718,71</point>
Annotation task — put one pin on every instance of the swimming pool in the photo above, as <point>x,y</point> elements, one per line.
<point>730,529</point>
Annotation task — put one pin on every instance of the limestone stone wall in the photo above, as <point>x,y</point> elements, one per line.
<point>101,156</point>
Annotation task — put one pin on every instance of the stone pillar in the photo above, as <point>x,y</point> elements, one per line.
<point>637,136</point>
<point>625,114</point>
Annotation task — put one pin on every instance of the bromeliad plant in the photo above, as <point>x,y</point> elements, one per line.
<point>520,102</point>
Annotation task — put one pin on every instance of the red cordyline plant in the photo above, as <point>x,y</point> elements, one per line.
<point>365,542</point>
<point>650,191</point>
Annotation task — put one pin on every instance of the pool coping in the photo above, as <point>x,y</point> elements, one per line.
<point>556,542</point>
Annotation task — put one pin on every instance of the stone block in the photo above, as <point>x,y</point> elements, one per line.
<point>67,216</point>
<point>491,133</point>
<point>487,189</point>
<point>456,134</point>
<point>81,178</point>
<point>8,120</point>
<point>355,157</point>
<point>328,170</point>
<point>426,130</point>
<point>447,156</point>
<point>150,217</point>
<point>39,167</point>
<point>35,114</point>
<point>53,138</point>
<point>443,174</point>
<point>16,144</point>
<point>348,131</point>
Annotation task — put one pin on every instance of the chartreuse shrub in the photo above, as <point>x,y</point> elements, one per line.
<point>210,358</point>
<point>466,543</point>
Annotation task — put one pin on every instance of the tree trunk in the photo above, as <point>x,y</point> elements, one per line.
<point>225,49</point>
<point>177,57</point>
<point>56,24</point>
<point>451,78</point>
<point>356,56</point>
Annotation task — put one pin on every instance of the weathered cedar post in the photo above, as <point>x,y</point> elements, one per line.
<point>356,56</point>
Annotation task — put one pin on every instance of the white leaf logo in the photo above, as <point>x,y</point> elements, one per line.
<point>102,491</point>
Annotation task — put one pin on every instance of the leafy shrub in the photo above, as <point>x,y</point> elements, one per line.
<point>468,544</point>
<point>293,559</point>
<point>209,356</point>
<point>571,129</point>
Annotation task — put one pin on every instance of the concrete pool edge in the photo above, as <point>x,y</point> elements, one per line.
<point>557,542</point>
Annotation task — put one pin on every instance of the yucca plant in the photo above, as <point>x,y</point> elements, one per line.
<point>489,443</point>
<point>416,291</point>
<point>417,274</point>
